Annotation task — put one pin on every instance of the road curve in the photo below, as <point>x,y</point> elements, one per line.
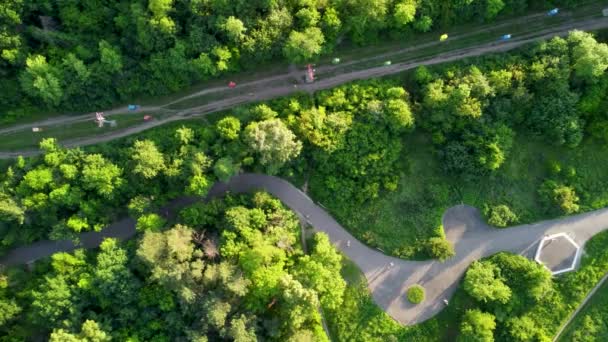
<point>472,239</point>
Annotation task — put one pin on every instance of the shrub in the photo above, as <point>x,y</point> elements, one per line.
<point>415,294</point>
<point>229,128</point>
<point>559,196</point>
<point>440,248</point>
<point>500,215</point>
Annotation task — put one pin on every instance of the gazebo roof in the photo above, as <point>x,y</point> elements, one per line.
<point>558,252</point>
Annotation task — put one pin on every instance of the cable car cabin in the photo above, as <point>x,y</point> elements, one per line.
<point>505,37</point>
<point>553,12</point>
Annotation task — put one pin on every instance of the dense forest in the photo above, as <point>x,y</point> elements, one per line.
<point>80,55</point>
<point>385,156</point>
<point>354,147</point>
<point>230,269</point>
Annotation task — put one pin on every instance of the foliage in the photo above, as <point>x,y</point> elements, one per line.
<point>225,168</point>
<point>229,128</point>
<point>477,326</point>
<point>484,283</point>
<point>440,248</point>
<point>273,142</point>
<point>147,158</point>
<point>168,286</point>
<point>150,222</point>
<point>559,196</point>
<point>500,215</point>
<point>415,294</point>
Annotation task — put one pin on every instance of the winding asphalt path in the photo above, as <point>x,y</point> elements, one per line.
<point>472,239</point>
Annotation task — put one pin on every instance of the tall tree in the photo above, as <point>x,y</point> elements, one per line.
<point>149,161</point>
<point>484,283</point>
<point>42,80</point>
<point>302,47</point>
<point>273,142</point>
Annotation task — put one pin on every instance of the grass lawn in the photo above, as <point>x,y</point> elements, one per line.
<point>360,319</point>
<point>398,222</point>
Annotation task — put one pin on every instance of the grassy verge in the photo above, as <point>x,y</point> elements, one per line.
<point>348,52</point>
<point>591,322</point>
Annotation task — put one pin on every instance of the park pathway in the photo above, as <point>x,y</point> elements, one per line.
<point>472,239</point>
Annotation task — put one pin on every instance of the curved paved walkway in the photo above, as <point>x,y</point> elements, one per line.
<point>472,239</point>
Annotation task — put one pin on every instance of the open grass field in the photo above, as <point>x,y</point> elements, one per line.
<point>399,221</point>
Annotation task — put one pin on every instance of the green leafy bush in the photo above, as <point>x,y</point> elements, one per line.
<point>440,248</point>
<point>500,215</point>
<point>415,294</point>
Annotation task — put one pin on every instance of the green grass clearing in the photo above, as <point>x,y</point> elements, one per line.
<point>399,222</point>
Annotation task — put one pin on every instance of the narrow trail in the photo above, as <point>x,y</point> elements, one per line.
<point>388,277</point>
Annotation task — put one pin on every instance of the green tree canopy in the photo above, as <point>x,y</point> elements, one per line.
<point>484,283</point>
<point>477,326</point>
<point>274,142</point>
<point>302,47</point>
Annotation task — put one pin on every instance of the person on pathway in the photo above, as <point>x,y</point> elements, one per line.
<point>348,243</point>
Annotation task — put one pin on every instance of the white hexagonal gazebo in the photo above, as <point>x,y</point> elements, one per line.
<point>558,253</point>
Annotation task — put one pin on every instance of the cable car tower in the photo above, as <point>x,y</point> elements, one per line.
<point>101,120</point>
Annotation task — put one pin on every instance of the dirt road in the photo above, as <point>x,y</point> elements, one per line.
<point>267,88</point>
